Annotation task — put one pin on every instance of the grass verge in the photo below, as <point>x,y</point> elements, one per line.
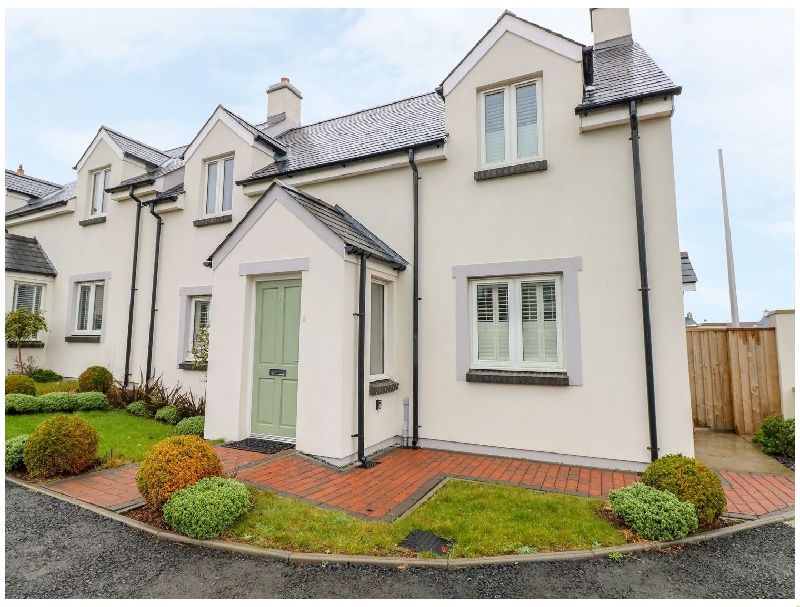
<point>482,519</point>
<point>124,438</point>
<point>56,386</point>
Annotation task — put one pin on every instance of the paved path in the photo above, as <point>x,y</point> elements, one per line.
<point>57,550</point>
<point>404,476</point>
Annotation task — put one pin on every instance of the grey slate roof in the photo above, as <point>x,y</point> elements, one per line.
<point>24,254</point>
<point>687,270</point>
<point>173,164</point>
<point>57,198</point>
<point>30,186</point>
<point>396,126</point>
<point>623,73</point>
<point>270,141</point>
<point>272,120</point>
<point>137,149</point>
<point>176,152</point>
<point>170,194</point>
<point>355,236</point>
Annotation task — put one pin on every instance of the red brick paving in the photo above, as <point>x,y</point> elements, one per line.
<point>404,476</point>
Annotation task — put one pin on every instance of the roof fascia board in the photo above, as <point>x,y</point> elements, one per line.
<point>221,115</point>
<point>101,136</point>
<point>45,278</point>
<point>56,209</point>
<point>528,31</point>
<point>620,114</point>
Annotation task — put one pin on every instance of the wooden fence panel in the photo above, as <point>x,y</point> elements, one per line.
<point>733,377</point>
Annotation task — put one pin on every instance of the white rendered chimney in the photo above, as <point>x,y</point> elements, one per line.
<point>610,26</point>
<point>284,98</point>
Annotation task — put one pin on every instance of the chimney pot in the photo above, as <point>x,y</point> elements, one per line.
<point>20,170</point>
<point>284,79</point>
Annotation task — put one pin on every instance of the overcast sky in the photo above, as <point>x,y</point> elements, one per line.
<point>157,75</point>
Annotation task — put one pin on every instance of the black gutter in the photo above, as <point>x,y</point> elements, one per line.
<point>123,186</point>
<point>131,302</point>
<point>583,109</point>
<point>159,223</point>
<point>645,288</point>
<point>22,211</point>
<point>415,329</point>
<point>362,328</point>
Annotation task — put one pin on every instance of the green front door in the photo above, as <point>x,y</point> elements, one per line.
<point>277,346</point>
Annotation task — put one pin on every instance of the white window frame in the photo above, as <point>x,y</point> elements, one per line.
<point>193,313</point>
<point>510,116</point>
<point>515,361</point>
<point>14,300</point>
<point>101,212</point>
<point>220,162</point>
<point>385,374</point>
<point>92,294</point>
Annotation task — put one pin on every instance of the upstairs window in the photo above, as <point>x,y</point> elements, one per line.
<point>510,124</point>
<point>89,317</point>
<point>219,186</point>
<point>99,202</point>
<point>28,296</point>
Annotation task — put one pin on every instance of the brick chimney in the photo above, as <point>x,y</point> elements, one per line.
<point>610,26</point>
<point>20,170</point>
<point>284,98</point>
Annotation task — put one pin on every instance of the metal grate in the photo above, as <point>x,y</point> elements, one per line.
<point>267,447</point>
<point>421,541</point>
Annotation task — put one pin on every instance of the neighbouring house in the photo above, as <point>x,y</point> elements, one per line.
<point>457,259</point>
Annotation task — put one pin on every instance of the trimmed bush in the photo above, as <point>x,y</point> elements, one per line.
<point>207,508</point>
<point>168,415</point>
<point>689,481</point>
<point>192,425</point>
<point>62,444</point>
<point>20,384</point>
<point>45,376</point>
<point>652,513</point>
<point>56,402</point>
<point>21,403</point>
<point>173,464</point>
<point>776,436</point>
<point>14,449</point>
<point>95,379</point>
<point>139,409</point>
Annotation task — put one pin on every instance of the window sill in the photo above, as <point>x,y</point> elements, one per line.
<point>209,221</point>
<point>382,386</point>
<point>92,221</point>
<point>190,366</point>
<point>514,169</point>
<point>26,344</point>
<point>530,378</point>
<point>82,339</point>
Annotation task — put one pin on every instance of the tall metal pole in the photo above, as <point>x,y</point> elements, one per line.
<point>728,246</point>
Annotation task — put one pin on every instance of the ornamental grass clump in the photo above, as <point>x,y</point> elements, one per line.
<point>192,425</point>
<point>14,450</point>
<point>95,379</point>
<point>168,415</point>
<point>62,444</point>
<point>776,436</point>
<point>204,510</point>
<point>689,481</point>
<point>20,384</point>
<point>173,464</point>
<point>652,513</point>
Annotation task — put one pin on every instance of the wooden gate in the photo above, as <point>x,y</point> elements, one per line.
<point>733,377</point>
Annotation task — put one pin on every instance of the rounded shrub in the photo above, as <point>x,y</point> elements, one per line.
<point>45,376</point>
<point>90,401</point>
<point>173,464</point>
<point>56,402</point>
<point>139,409</point>
<point>21,403</point>
<point>207,508</point>
<point>20,384</point>
<point>652,513</point>
<point>168,415</point>
<point>95,379</point>
<point>14,449</point>
<point>776,436</point>
<point>192,425</point>
<point>689,481</point>
<point>62,444</point>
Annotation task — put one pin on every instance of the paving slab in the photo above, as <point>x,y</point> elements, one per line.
<point>722,450</point>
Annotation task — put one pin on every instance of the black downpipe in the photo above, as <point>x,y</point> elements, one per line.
<point>415,330</point>
<point>131,303</point>
<point>645,290</point>
<point>362,329</point>
<point>159,223</point>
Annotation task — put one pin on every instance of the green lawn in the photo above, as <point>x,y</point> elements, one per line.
<point>484,519</point>
<point>121,434</point>
<point>56,386</point>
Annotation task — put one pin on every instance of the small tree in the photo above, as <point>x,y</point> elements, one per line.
<point>23,325</point>
<point>199,349</point>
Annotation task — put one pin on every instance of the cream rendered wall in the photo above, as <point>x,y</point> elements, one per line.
<point>783,321</point>
<point>39,354</point>
<point>15,200</point>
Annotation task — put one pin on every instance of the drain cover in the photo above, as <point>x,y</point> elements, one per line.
<point>421,541</point>
<point>258,445</point>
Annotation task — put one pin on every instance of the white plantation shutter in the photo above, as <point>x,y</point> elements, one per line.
<point>530,323</point>
<point>493,321</point>
<point>97,316</point>
<point>27,296</point>
<point>549,322</point>
<point>539,322</point>
<point>202,310</point>
<point>84,295</point>
<point>495,127</point>
<point>227,185</point>
<point>211,188</point>
<point>527,121</point>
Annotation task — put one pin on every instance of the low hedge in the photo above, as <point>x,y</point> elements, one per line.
<point>652,513</point>
<point>191,425</point>
<point>20,384</point>
<point>14,450</point>
<point>776,436</point>
<point>204,510</point>
<point>62,444</point>
<point>168,415</point>
<point>55,402</point>
<point>139,409</point>
<point>45,376</point>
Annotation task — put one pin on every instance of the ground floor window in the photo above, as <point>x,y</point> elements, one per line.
<point>201,310</point>
<point>89,317</point>
<point>377,329</point>
<point>27,296</point>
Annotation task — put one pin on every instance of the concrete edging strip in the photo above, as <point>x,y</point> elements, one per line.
<point>386,561</point>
